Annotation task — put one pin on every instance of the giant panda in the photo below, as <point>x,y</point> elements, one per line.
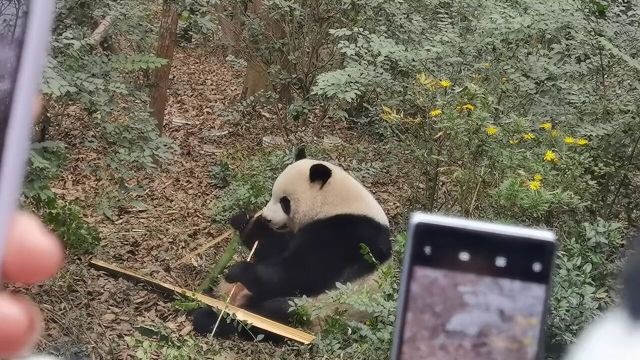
<point>616,334</point>
<point>310,238</point>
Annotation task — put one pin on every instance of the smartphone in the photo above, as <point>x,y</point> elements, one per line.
<point>25,31</point>
<point>473,290</point>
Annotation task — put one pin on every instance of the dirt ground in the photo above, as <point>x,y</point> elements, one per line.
<point>89,314</point>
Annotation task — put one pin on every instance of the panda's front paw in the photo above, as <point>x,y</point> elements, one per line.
<point>240,221</point>
<point>242,272</point>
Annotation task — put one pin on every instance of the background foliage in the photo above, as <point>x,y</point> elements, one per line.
<point>516,111</point>
<point>519,111</point>
<point>107,84</point>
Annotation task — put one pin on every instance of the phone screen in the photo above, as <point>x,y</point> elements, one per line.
<point>470,294</point>
<point>13,22</point>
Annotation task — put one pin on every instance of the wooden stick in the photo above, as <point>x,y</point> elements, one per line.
<point>241,314</point>
<point>205,247</point>
<point>233,289</point>
<point>100,32</point>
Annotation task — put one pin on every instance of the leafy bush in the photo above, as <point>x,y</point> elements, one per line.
<point>583,283</point>
<point>517,112</point>
<point>64,218</point>
<point>158,342</point>
<point>67,222</point>
<point>221,175</point>
<point>108,86</point>
<point>517,169</point>
<point>197,23</point>
<point>250,184</point>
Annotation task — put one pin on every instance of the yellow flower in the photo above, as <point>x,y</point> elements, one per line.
<point>435,112</point>
<point>514,141</point>
<point>468,107</point>
<point>555,133</point>
<point>569,140</point>
<point>535,185</point>
<point>445,83</point>
<point>528,136</point>
<point>582,141</point>
<point>550,156</point>
<point>537,177</point>
<point>486,65</point>
<point>546,126</point>
<point>492,130</point>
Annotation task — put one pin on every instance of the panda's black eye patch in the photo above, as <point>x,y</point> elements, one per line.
<point>285,203</point>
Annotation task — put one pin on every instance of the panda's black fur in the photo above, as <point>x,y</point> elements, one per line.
<point>307,262</point>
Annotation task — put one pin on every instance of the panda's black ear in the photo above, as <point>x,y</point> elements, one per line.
<point>301,153</point>
<point>319,173</point>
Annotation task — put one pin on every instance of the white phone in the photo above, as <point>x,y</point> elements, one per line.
<point>473,290</point>
<point>25,31</point>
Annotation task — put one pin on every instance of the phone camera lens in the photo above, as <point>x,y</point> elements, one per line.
<point>464,256</point>
<point>537,267</point>
<point>501,261</point>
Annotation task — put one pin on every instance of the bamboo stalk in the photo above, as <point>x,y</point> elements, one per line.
<point>240,314</point>
<point>220,265</point>
<point>233,289</point>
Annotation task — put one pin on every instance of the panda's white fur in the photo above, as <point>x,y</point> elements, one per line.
<point>615,336</point>
<point>342,194</point>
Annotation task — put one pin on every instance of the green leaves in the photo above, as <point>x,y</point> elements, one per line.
<point>249,185</point>
<point>137,62</point>
<point>64,218</point>
<point>366,253</point>
<point>520,64</point>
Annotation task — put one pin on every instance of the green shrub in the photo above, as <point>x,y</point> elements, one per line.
<point>249,185</point>
<point>518,112</point>
<point>64,218</point>
<point>584,283</point>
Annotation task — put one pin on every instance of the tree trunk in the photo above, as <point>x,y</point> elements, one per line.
<point>231,20</point>
<point>256,78</point>
<point>166,49</point>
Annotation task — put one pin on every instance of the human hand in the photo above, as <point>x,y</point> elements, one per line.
<point>32,254</point>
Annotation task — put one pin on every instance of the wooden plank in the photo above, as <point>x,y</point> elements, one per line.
<point>240,314</point>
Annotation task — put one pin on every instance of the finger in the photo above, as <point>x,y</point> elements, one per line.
<point>32,253</point>
<point>37,107</point>
<point>20,325</point>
